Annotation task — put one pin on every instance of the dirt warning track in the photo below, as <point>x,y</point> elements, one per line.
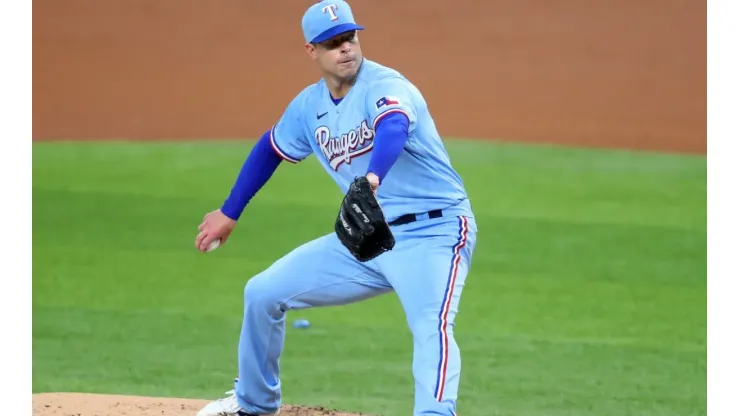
<point>622,73</point>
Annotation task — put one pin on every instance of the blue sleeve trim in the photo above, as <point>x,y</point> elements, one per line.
<point>388,113</point>
<point>256,171</point>
<point>391,134</point>
<point>280,151</point>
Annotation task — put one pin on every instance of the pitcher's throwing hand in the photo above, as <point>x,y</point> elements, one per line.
<point>215,226</point>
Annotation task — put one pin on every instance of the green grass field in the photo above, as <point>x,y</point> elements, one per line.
<point>587,294</point>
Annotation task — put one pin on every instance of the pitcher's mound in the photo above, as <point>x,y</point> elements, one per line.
<point>81,404</point>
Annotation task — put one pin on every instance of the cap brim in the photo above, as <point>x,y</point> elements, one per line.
<point>336,30</point>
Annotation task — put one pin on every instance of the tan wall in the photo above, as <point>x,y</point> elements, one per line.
<point>627,73</point>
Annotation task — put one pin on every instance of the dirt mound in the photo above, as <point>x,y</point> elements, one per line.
<point>80,404</point>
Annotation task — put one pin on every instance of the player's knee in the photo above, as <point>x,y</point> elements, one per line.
<point>428,329</point>
<point>260,295</point>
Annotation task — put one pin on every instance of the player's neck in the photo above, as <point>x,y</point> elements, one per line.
<point>339,87</point>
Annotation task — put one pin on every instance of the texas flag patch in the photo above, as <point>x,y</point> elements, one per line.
<point>387,100</point>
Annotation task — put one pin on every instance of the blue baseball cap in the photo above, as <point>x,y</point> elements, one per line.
<point>327,19</point>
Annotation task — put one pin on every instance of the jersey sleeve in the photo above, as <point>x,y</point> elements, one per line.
<point>389,96</point>
<point>287,137</point>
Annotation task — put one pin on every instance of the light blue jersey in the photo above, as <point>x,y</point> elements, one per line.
<point>342,135</point>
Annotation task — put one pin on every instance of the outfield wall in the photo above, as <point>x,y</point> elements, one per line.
<point>625,73</point>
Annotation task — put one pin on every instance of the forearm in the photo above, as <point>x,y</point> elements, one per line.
<point>256,171</point>
<point>391,135</point>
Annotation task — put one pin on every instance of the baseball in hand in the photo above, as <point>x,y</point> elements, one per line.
<point>214,245</point>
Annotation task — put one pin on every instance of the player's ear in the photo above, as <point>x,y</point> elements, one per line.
<point>311,50</point>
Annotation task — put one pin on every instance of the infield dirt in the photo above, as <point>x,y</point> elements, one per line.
<point>80,404</point>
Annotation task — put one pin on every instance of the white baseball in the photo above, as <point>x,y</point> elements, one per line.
<point>214,245</point>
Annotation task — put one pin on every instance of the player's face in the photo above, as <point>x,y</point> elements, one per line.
<point>339,56</point>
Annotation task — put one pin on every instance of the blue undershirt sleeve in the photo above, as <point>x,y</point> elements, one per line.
<point>391,133</point>
<point>256,171</point>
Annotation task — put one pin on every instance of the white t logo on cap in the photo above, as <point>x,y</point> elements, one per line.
<point>330,9</point>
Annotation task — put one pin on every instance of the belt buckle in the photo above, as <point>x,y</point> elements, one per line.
<point>422,216</point>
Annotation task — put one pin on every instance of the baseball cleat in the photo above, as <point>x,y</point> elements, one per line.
<point>228,406</point>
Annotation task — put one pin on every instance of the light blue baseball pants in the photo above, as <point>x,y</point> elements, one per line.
<point>426,269</point>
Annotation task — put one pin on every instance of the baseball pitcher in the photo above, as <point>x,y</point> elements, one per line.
<point>405,224</point>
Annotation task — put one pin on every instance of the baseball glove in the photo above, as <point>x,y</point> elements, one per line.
<point>361,225</point>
